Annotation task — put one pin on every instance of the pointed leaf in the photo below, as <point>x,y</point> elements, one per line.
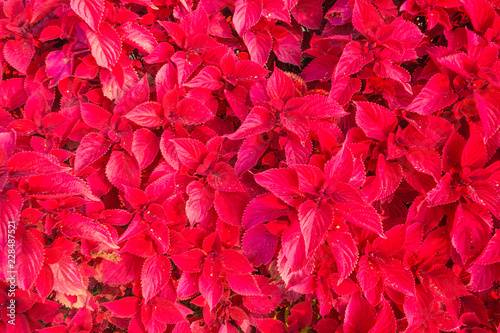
<point>105,45</point>
<point>258,121</point>
<point>315,219</point>
<point>246,14</point>
<point>123,170</point>
<point>436,95</point>
<point>26,164</point>
<point>283,183</point>
<point>91,148</point>
<point>344,251</point>
<point>155,274</point>
<point>375,120</point>
<point>147,114</point>
<point>91,11</point>
<point>125,307</point>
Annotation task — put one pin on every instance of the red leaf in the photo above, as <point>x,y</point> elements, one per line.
<point>308,13</point>
<point>474,154</point>
<point>67,277</point>
<point>286,45</point>
<point>29,254</point>
<point>44,281</point>
<point>91,148</point>
<point>105,45</point>
<point>123,170</point>
<point>442,283</point>
<point>230,206</point>
<point>436,95</point>
<point>147,114</point>
<point>18,53</point>
<point>258,121</point>
<point>76,225</point>
<point>352,60</point>
<point>359,315</point>
<point>368,273</point>
<point>59,65</point>
<point>243,284</point>
<point>91,11</point>
<point>58,185</point>
<point>155,275</point>
<point>190,152</point>
<point>397,276</point>
<point>259,245</point>
<point>138,36</point>
<point>250,152</point>
<point>201,199</point>
<point>280,86</point>
<point>315,219</point>
<point>247,70</point>
<point>344,251</point>
<point>190,112</point>
<point>190,261</point>
<point>491,253</point>
<point>224,178</point>
<point>321,107</point>
<point>94,115</point>
<point>145,147</point>
<point>283,183</point>
<point>485,194</point>
<point>311,179</point>
<point>235,262</point>
<point>481,13</point>
<point>375,120</point>
<point>362,215</point>
<point>26,164</point>
<point>263,208</point>
<point>386,321</point>
<point>210,290</point>
<point>246,14</point>
<point>209,78</point>
<point>259,44</point>
<point>126,307</point>
<point>471,230</point>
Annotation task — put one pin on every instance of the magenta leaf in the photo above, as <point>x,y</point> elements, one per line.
<point>264,208</point>
<point>91,148</point>
<point>105,45</point>
<point>91,11</point>
<point>125,307</point>
<point>145,147</point>
<point>315,219</point>
<point>155,274</point>
<point>359,315</point>
<point>435,96</point>
<point>19,53</point>
<point>201,199</point>
<point>76,225</point>
<point>138,36</point>
<point>67,277</point>
<point>283,183</point>
<point>123,170</point>
<point>224,178</point>
<point>375,120</point>
<point>259,245</point>
<point>26,164</point>
<point>344,251</point>
<point>258,121</point>
<point>147,114</point>
<point>259,44</point>
<point>246,14</point>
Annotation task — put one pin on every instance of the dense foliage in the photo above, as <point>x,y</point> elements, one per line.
<point>250,165</point>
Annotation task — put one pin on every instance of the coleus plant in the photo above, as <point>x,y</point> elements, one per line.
<point>250,165</point>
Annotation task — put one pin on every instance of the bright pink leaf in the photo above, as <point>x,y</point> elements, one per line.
<point>246,14</point>
<point>105,45</point>
<point>315,219</point>
<point>375,120</point>
<point>155,274</point>
<point>91,11</point>
<point>147,114</point>
<point>123,170</point>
